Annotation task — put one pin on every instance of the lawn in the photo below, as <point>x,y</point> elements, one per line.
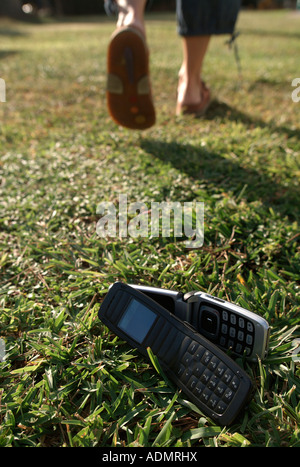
<point>66,380</point>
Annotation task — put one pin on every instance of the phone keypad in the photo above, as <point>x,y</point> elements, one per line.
<point>236,332</point>
<point>207,377</point>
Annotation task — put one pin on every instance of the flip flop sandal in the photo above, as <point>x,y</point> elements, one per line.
<point>128,93</point>
<point>198,109</point>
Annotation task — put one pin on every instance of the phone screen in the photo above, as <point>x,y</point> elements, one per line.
<point>137,320</point>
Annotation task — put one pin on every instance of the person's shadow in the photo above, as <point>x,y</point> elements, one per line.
<point>211,168</point>
<point>9,33</point>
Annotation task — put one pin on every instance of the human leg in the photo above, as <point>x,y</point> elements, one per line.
<point>191,91</point>
<point>131,13</point>
<point>198,20</point>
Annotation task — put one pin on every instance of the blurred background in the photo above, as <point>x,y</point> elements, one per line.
<point>26,10</point>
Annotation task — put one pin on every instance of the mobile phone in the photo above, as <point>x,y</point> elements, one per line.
<point>214,382</point>
<point>226,324</point>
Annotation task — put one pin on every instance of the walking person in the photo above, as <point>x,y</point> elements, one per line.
<point>129,92</point>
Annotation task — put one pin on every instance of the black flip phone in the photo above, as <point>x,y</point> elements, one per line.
<point>227,325</point>
<point>216,384</point>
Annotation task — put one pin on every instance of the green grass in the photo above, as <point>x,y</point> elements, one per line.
<point>67,380</point>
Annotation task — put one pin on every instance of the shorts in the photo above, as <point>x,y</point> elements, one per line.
<point>199,17</point>
<point>206,17</point>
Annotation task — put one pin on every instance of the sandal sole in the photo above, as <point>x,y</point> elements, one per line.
<point>128,93</point>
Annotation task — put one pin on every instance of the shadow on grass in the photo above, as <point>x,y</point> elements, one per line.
<point>7,53</point>
<point>224,111</point>
<point>10,32</point>
<point>209,167</point>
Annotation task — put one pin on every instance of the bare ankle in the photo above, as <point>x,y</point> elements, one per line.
<point>189,89</point>
<point>131,13</point>
<point>130,20</point>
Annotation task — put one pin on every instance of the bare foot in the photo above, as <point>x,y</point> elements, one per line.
<point>193,96</point>
<point>189,89</point>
